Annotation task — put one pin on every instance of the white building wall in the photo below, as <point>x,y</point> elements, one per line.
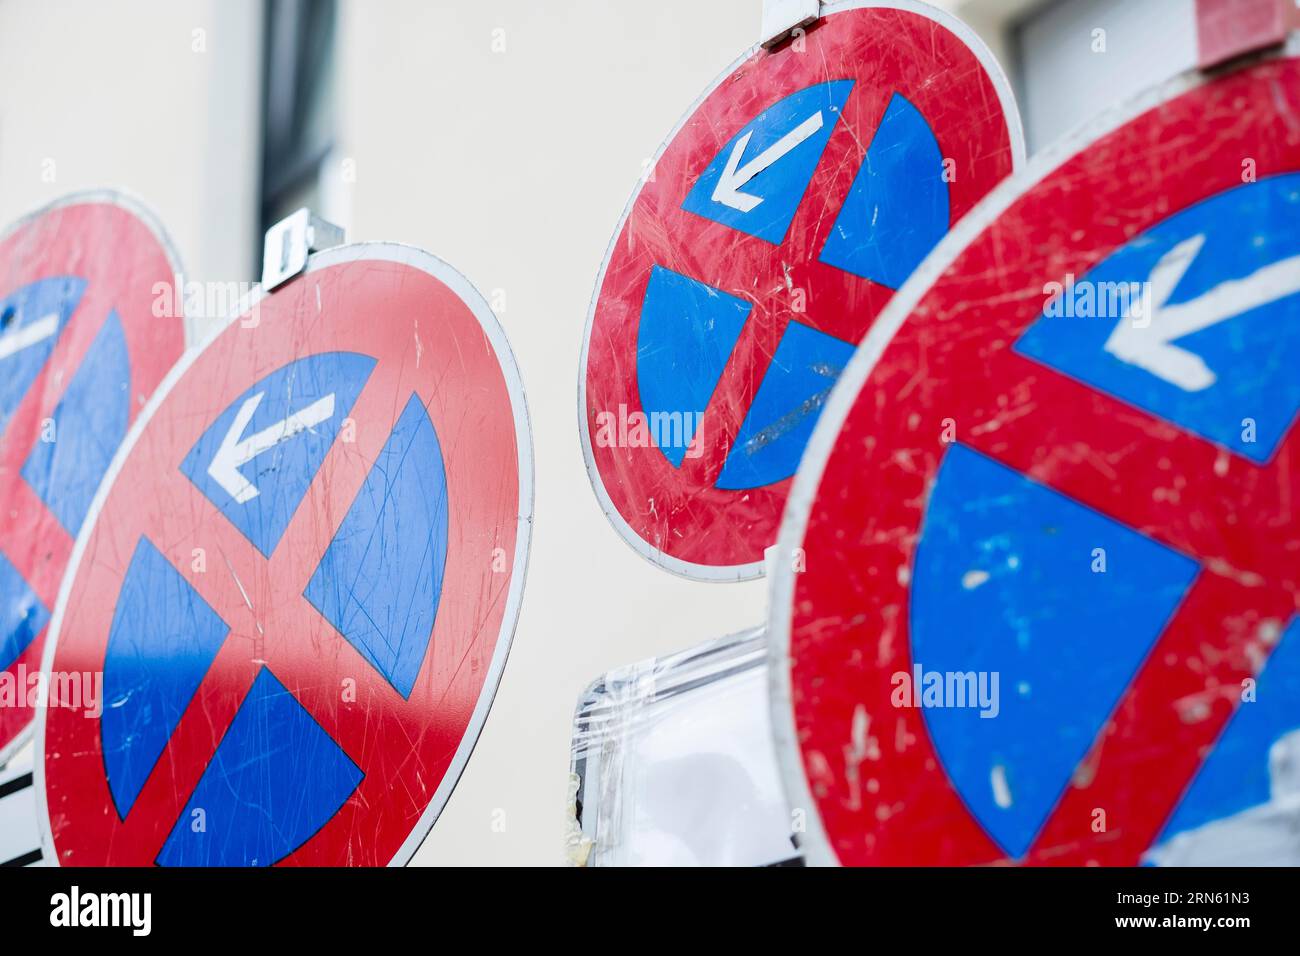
<point>515,167</point>
<point>1078,57</point>
<point>155,97</point>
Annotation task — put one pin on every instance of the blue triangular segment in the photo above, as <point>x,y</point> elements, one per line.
<point>687,332</point>
<point>1003,584</point>
<point>1236,774</point>
<point>276,778</point>
<point>777,426</point>
<point>898,207</point>
<point>162,641</point>
<point>89,425</point>
<point>782,184</point>
<point>31,321</point>
<point>282,474</point>
<point>1253,355</point>
<point>22,615</point>
<point>380,580</point>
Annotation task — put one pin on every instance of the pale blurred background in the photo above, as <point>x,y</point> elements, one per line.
<point>504,136</point>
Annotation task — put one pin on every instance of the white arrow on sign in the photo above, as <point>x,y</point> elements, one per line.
<point>1149,345</point>
<point>236,450</point>
<point>28,335</point>
<point>735,177</point>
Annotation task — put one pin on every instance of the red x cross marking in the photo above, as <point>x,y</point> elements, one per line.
<point>427,342</point>
<point>104,241</point>
<point>676,515</point>
<point>952,359</point>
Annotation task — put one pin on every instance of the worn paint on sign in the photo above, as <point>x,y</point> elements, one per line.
<point>300,581</point>
<point>763,241</point>
<point>1049,611</point>
<point>84,341</point>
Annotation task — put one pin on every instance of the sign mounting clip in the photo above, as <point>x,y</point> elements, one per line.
<point>290,241</point>
<point>782,17</point>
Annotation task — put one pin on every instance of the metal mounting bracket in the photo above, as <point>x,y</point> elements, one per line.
<point>290,241</point>
<point>783,17</point>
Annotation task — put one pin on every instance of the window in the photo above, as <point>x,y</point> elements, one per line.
<point>298,122</point>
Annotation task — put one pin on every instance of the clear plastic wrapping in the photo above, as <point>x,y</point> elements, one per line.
<point>20,841</point>
<point>673,764</point>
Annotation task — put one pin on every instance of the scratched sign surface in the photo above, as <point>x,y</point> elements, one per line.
<point>1049,611</point>
<point>778,220</point>
<point>300,584</point>
<point>84,340</point>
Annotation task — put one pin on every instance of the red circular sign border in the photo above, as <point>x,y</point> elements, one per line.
<point>32,511</point>
<point>457,288</point>
<point>754,568</point>
<point>818,844</point>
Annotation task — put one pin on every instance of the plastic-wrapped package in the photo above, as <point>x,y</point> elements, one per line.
<point>1263,835</point>
<point>672,763</point>
<point>20,840</point>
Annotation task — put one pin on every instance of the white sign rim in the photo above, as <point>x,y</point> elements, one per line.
<point>816,844</point>
<point>756,569</point>
<point>467,293</point>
